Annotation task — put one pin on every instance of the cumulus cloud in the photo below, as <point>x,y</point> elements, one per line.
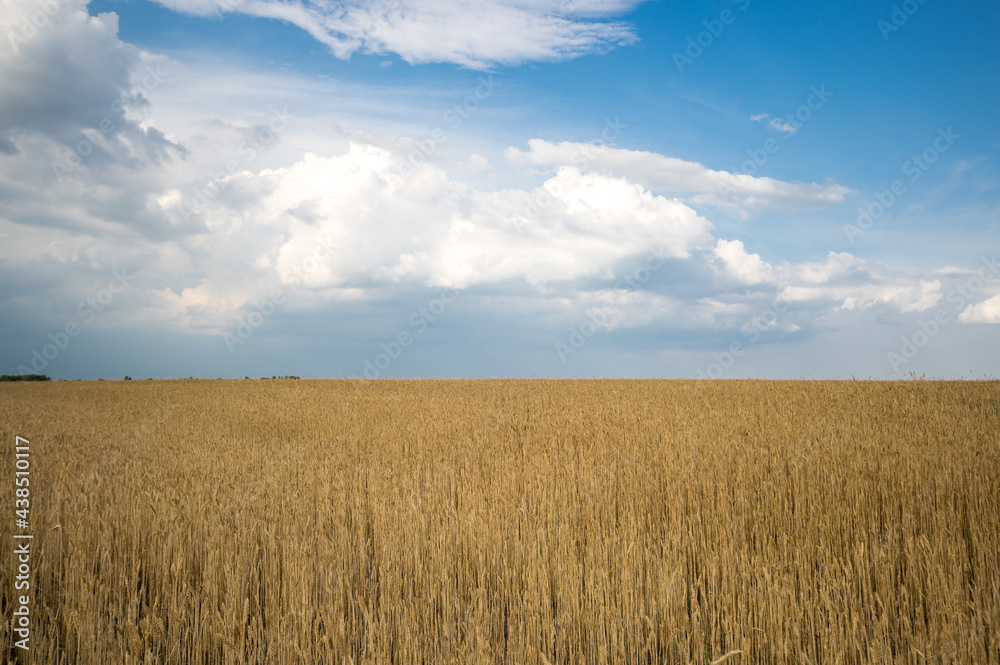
<point>429,229</point>
<point>748,268</point>
<point>351,226</point>
<point>988,311</point>
<point>848,283</point>
<point>661,173</point>
<point>839,266</point>
<point>472,34</point>
<point>76,149</point>
<point>66,76</point>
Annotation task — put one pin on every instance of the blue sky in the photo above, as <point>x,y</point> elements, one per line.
<point>499,188</point>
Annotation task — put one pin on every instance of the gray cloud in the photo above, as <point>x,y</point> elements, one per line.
<point>70,76</point>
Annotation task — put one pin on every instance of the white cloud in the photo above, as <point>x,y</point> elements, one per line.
<point>560,242</point>
<point>838,266</point>
<point>592,222</point>
<point>900,293</point>
<point>472,34</point>
<point>670,174</point>
<point>987,311</point>
<point>858,284</point>
<point>777,124</point>
<point>749,268</point>
<point>432,230</point>
<point>477,162</point>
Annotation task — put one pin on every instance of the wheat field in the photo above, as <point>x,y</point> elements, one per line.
<point>508,521</point>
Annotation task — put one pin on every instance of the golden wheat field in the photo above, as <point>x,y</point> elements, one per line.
<point>507,521</point>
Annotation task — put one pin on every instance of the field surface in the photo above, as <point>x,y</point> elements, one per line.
<point>506,521</point>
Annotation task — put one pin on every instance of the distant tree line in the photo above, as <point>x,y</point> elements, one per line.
<point>24,377</point>
<point>42,377</point>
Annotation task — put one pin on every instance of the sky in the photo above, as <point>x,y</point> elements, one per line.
<point>483,188</point>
